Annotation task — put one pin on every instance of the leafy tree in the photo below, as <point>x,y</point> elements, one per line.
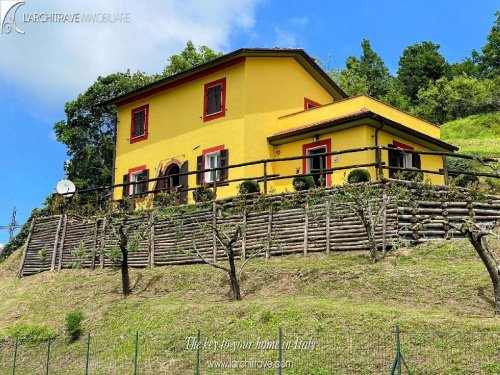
<point>366,75</point>
<point>446,100</point>
<point>419,66</point>
<point>189,57</point>
<point>489,60</point>
<point>88,131</point>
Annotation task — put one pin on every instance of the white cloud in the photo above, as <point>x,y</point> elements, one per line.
<point>285,38</point>
<point>57,60</point>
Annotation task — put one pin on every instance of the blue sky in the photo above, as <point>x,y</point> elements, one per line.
<point>52,62</point>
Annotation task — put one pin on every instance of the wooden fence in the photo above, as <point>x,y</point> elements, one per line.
<point>65,241</point>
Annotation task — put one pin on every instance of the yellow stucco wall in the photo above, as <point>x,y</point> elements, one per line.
<point>258,91</point>
<point>263,96</point>
<point>353,105</point>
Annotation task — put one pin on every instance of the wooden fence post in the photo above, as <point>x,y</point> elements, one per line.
<point>151,243</point>
<point>214,225</point>
<point>384,222</point>
<point>445,170</point>
<point>327,226</point>
<point>56,243</point>
<point>32,227</point>
<point>94,245</point>
<point>306,226</point>
<point>61,246</point>
<point>102,244</point>
<point>269,231</point>
<point>244,235</point>
<point>378,160</point>
<point>265,178</point>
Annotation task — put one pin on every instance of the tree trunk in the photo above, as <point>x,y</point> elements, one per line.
<point>233,277</point>
<point>480,244</point>
<point>372,242</point>
<point>497,300</point>
<point>124,264</point>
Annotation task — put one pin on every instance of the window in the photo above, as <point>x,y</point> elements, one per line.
<point>212,161</point>
<point>309,104</point>
<point>400,159</point>
<point>139,126</point>
<point>136,176</point>
<point>215,157</point>
<point>314,164</point>
<point>215,100</point>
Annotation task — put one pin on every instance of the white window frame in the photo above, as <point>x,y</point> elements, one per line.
<point>309,160</point>
<point>208,174</point>
<point>133,178</point>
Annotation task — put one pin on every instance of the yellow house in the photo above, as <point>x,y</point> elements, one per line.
<point>255,104</point>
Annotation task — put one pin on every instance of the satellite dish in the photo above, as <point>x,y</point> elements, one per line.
<point>66,187</point>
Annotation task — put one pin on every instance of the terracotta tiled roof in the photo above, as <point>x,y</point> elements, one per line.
<point>326,121</point>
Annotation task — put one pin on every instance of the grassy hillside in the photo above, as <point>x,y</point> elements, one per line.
<point>439,295</point>
<point>477,135</point>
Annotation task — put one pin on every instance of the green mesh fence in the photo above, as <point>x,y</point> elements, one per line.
<point>345,351</point>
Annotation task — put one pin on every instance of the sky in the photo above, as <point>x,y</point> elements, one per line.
<point>52,62</point>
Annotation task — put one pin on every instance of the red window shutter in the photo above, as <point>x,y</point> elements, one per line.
<point>199,167</point>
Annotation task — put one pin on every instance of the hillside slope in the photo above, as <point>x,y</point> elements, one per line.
<point>477,135</point>
<point>435,293</point>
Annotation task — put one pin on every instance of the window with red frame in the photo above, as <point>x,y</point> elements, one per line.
<point>139,126</point>
<point>316,162</point>
<point>137,178</point>
<point>309,104</point>
<point>400,159</point>
<point>215,100</point>
<point>211,158</point>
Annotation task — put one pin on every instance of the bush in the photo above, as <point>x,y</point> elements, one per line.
<point>412,175</point>
<point>358,175</point>
<point>249,186</point>
<point>42,254</point>
<point>163,199</point>
<point>464,180</point>
<point>30,332</point>
<point>203,194</point>
<point>302,183</point>
<point>74,325</point>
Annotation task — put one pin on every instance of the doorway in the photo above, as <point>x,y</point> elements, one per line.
<point>316,163</point>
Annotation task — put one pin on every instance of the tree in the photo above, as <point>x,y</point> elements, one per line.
<point>419,66</point>
<point>478,235</point>
<point>489,60</point>
<point>227,236</point>
<point>368,202</point>
<point>446,100</point>
<point>188,58</point>
<point>366,75</point>
<point>88,131</point>
<point>128,233</point>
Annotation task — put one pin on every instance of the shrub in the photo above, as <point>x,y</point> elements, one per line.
<point>249,186</point>
<point>203,194</point>
<point>163,199</point>
<point>358,175</point>
<point>30,332</point>
<point>302,183</point>
<point>74,324</point>
<point>42,254</point>
<point>464,180</point>
<point>411,175</point>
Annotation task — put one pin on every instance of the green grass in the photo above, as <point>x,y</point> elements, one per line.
<point>439,294</point>
<point>477,135</point>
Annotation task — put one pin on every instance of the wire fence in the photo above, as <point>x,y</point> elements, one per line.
<point>319,353</point>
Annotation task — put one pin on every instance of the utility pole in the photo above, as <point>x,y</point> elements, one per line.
<point>11,228</point>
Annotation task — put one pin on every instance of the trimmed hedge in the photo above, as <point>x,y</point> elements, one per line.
<point>358,175</point>
<point>203,194</point>
<point>249,186</point>
<point>302,183</point>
